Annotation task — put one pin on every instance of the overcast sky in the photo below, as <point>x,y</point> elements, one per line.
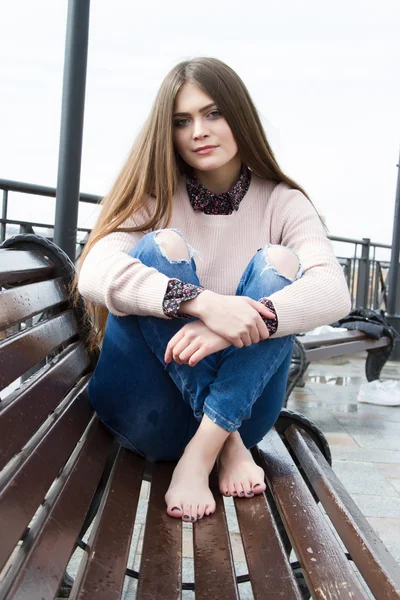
<point>324,77</point>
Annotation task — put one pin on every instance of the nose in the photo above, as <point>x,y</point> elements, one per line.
<point>200,130</point>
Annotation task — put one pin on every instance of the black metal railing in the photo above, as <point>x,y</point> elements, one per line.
<point>365,274</point>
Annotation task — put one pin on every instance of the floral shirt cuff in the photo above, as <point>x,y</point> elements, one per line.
<point>272,324</point>
<point>177,292</point>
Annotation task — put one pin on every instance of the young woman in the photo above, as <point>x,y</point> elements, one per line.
<point>205,262</point>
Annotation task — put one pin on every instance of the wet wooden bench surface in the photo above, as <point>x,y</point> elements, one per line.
<point>54,452</point>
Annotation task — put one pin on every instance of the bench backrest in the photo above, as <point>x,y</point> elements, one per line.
<point>44,408</point>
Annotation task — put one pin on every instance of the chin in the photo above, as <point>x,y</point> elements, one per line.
<point>209,165</point>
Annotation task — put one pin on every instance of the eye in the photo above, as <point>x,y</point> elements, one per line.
<point>215,113</point>
<point>180,122</point>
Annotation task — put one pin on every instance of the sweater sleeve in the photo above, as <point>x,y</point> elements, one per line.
<point>124,285</point>
<point>321,294</point>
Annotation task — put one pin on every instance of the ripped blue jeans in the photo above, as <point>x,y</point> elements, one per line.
<point>154,409</point>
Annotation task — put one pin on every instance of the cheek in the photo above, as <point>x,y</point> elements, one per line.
<point>227,135</point>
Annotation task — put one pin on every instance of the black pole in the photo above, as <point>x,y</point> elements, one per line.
<point>393,302</point>
<point>73,104</point>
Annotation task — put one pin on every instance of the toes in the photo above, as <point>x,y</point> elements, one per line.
<point>200,511</point>
<point>232,490</point>
<point>187,513</point>
<point>248,492</point>
<point>209,509</point>
<point>175,511</point>
<point>239,490</point>
<point>258,488</point>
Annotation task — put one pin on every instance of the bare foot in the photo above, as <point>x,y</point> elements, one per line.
<point>238,473</point>
<point>188,496</point>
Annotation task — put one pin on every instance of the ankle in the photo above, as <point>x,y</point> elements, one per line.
<point>207,442</point>
<point>234,440</point>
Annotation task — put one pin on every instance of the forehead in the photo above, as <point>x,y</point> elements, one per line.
<point>191,98</point>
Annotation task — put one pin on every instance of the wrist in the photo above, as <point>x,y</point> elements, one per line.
<point>196,307</point>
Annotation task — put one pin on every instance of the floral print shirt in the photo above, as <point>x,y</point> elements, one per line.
<point>209,203</point>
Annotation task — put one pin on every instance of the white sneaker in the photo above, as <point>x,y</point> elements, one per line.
<point>383,393</point>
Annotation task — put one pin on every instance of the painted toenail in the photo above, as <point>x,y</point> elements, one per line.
<point>186,517</point>
<point>199,516</point>
<point>192,518</point>
<point>175,508</point>
<point>241,493</point>
<point>257,485</point>
<point>249,493</point>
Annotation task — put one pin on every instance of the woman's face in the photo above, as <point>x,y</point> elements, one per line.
<point>198,122</point>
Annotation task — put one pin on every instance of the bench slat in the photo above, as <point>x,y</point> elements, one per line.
<point>214,570</point>
<point>41,561</point>
<point>315,341</point>
<point>377,566</point>
<point>22,265</point>
<point>31,477</point>
<point>23,302</point>
<point>161,564</point>
<point>346,348</point>
<point>325,566</point>
<point>22,351</point>
<point>269,567</point>
<point>103,568</point>
<point>24,410</point>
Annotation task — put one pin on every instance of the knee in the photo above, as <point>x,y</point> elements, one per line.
<point>172,245</point>
<point>284,261</point>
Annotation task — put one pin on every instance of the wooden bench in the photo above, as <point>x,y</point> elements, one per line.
<point>62,472</point>
<point>317,347</point>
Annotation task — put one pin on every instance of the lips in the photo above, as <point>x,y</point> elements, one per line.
<point>204,148</point>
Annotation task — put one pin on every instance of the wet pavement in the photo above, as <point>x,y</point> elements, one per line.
<point>364,439</point>
<point>365,445</point>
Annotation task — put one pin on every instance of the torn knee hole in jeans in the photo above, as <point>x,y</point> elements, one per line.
<point>283,261</point>
<point>173,246</point>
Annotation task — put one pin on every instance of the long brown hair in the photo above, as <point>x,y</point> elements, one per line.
<point>153,166</point>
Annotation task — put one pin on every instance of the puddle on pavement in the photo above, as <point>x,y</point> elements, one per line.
<point>332,380</point>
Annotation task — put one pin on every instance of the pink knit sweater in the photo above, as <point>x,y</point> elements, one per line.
<point>269,213</point>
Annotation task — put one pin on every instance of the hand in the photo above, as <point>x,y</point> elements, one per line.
<point>235,318</point>
<point>192,343</point>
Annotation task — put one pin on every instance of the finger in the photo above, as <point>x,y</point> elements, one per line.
<point>197,356</point>
<point>171,344</point>
<point>261,309</point>
<point>246,339</point>
<point>179,348</point>
<point>262,329</point>
<point>254,334</point>
<point>236,341</point>
<point>189,351</point>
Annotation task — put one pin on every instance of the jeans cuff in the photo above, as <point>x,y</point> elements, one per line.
<point>218,420</point>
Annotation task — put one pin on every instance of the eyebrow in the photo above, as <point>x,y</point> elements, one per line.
<point>185,114</point>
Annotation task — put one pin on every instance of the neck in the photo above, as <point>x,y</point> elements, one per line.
<point>223,179</point>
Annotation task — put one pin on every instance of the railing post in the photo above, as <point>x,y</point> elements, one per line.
<point>393,304</point>
<point>363,275</point>
<point>73,104</point>
<point>4,216</point>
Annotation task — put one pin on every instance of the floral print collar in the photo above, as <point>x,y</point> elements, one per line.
<point>209,203</point>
